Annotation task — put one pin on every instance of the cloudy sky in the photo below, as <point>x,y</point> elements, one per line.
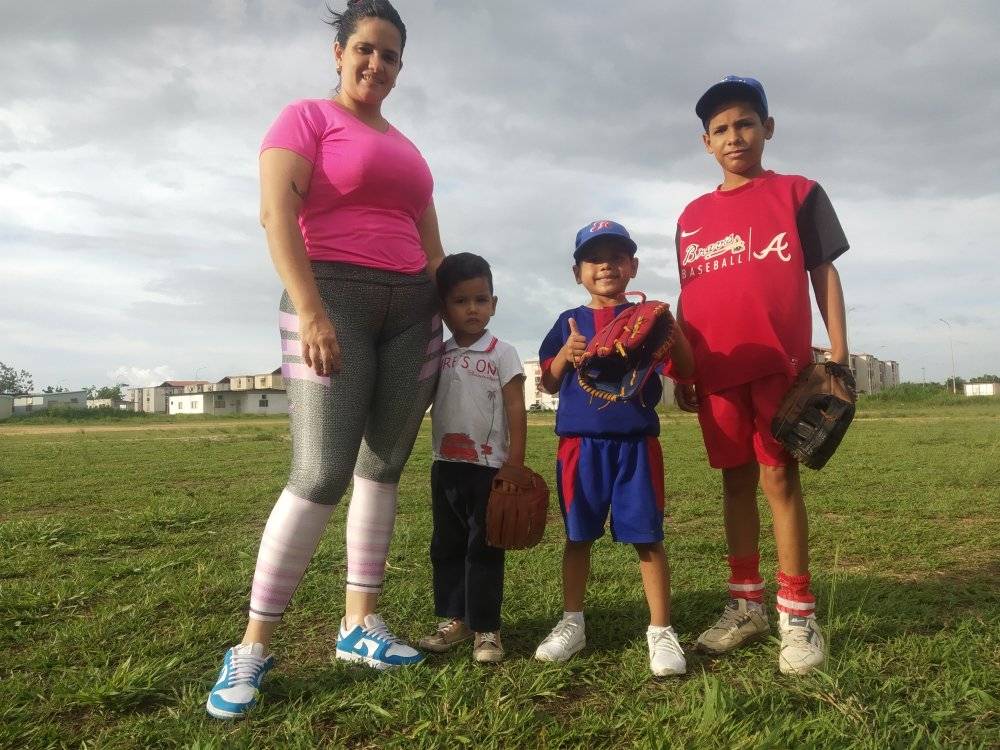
<point>129,242</point>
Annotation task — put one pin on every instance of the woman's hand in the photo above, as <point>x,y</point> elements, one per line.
<point>320,349</point>
<point>686,397</point>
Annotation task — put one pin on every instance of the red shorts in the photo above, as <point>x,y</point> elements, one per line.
<point>736,423</point>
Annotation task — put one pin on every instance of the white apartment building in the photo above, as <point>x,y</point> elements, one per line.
<point>534,397</point>
<point>870,373</point>
<point>154,398</point>
<point>270,401</point>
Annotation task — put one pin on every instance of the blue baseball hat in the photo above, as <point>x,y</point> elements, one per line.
<point>602,229</point>
<point>731,88</point>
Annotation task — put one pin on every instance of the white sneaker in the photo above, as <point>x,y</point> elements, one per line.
<point>566,638</point>
<point>802,645</point>
<point>666,657</point>
<point>741,621</point>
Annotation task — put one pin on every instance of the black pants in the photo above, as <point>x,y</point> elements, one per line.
<point>468,574</point>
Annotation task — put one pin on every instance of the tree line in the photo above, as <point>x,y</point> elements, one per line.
<point>15,382</point>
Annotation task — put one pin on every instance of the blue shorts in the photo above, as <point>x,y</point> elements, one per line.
<point>623,476</point>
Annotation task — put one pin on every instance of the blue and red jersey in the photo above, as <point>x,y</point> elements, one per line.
<point>578,414</point>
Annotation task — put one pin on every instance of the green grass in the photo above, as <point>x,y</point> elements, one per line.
<point>126,557</point>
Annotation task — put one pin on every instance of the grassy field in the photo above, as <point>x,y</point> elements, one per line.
<point>126,557</point>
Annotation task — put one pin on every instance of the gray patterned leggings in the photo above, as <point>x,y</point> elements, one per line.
<point>364,419</point>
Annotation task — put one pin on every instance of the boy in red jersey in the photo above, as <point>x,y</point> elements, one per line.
<point>745,253</point>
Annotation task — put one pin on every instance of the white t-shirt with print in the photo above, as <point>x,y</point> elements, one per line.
<point>468,418</point>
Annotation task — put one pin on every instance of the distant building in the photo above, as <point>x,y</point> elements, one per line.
<point>534,396</point>
<point>109,403</point>
<point>6,406</point>
<point>870,373</point>
<point>30,403</point>
<point>269,401</point>
<point>197,386</point>
<point>156,399</point>
<point>982,389</point>
<point>153,399</point>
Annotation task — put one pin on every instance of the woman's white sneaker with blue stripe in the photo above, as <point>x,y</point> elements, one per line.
<point>374,645</point>
<point>238,687</point>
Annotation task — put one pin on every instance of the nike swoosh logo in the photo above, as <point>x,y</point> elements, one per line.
<point>688,234</point>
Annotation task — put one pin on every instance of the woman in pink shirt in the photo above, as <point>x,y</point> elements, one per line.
<point>351,227</point>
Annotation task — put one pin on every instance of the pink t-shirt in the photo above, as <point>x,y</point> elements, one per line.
<point>368,189</point>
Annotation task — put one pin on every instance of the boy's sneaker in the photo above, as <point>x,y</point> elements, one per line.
<point>802,646</point>
<point>238,687</point>
<point>666,657</point>
<point>487,649</point>
<point>374,645</point>
<point>448,633</point>
<point>566,638</point>
<point>741,621</point>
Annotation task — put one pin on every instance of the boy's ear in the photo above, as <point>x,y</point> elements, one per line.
<point>494,304</point>
<point>768,128</point>
<point>576,273</point>
<point>635,267</point>
<point>705,139</point>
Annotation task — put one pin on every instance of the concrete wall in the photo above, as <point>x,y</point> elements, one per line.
<point>6,406</point>
<point>35,402</point>
<point>982,389</point>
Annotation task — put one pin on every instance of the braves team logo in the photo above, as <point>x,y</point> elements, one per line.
<point>727,252</point>
<point>732,243</point>
<point>777,245</point>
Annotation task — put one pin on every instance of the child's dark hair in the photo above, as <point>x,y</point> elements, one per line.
<point>455,269</point>
<point>346,23</point>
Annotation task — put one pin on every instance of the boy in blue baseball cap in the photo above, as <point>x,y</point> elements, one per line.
<point>747,253</point>
<point>609,458</point>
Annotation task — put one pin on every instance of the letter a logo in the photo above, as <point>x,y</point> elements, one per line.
<point>777,245</point>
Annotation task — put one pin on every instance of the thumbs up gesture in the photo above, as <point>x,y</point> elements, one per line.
<point>575,345</point>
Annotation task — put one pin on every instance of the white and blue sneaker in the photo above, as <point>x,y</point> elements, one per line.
<point>375,646</point>
<point>238,688</point>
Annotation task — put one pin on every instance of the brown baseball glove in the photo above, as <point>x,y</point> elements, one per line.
<point>516,519</point>
<point>816,412</point>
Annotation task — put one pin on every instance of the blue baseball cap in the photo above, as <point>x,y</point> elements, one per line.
<point>731,88</point>
<point>602,229</point>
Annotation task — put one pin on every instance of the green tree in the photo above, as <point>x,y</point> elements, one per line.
<point>107,391</point>
<point>985,379</point>
<point>55,389</point>
<point>15,381</point>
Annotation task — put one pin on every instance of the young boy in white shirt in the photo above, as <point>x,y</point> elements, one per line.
<point>479,425</point>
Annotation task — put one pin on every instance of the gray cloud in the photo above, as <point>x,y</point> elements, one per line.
<point>129,134</point>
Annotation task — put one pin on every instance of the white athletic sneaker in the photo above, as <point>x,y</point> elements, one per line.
<point>566,638</point>
<point>741,621</point>
<point>802,646</point>
<point>666,657</point>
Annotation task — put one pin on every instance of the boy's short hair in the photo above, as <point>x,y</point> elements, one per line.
<point>455,269</point>
<point>732,89</point>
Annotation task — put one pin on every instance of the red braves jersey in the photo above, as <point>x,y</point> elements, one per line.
<point>743,257</point>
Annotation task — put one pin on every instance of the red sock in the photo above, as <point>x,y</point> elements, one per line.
<point>794,596</point>
<point>744,580</point>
